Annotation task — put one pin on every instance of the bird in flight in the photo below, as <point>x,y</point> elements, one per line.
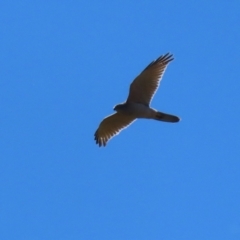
<point>137,105</point>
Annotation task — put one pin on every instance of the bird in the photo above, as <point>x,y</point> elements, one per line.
<point>137,105</point>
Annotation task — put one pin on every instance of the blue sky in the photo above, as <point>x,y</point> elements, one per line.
<point>64,65</point>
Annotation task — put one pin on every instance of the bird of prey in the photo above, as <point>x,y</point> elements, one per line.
<point>137,105</point>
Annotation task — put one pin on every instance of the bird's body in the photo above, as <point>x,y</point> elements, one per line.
<point>138,110</point>
<point>141,92</point>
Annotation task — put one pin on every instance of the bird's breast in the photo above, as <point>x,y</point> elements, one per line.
<point>140,111</point>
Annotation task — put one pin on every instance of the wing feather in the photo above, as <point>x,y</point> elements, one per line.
<point>144,86</point>
<point>111,126</point>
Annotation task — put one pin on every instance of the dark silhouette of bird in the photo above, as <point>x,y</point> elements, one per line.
<point>137,105</point>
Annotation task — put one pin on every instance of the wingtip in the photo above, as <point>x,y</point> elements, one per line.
<point>168,57</point>
<point>99,141</point>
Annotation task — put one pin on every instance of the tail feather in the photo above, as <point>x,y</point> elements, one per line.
<point>166,117</point>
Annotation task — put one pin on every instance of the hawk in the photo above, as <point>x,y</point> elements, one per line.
<point>137,105</point>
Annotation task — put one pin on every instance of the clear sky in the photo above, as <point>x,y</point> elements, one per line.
<point>64,65</point>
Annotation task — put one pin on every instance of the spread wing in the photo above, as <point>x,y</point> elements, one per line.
<point>111,126</point>
<point>146,84</point>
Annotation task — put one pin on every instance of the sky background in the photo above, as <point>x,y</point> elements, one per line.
<point>64,65</point>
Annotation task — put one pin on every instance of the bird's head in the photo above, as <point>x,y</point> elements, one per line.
<point>119,107</point>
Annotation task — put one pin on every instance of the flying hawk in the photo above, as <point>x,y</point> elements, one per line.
<point>141,92</point>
